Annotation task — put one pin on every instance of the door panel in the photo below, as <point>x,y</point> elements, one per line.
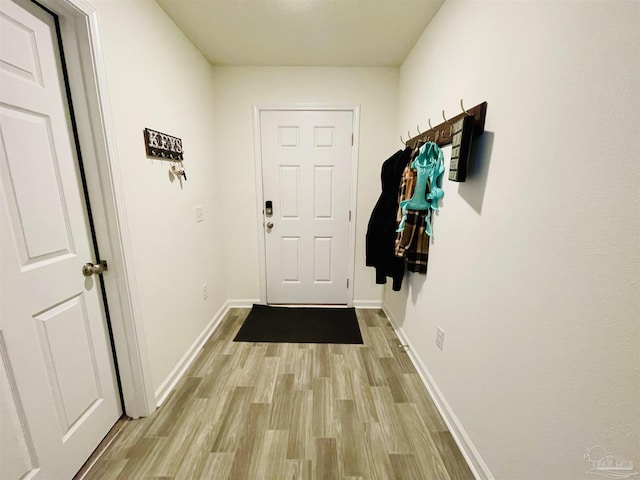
<point>322,249</point>
<point>59,391</point>
<point>17,456</point>
<point>290,259</point>
<point>32,167</point>
<point>290,191</point>
<point>21,57</point>
<point>307,158</point>
<point>323,193</point>
<point>64,339</point>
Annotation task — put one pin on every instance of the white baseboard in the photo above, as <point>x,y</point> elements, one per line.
<point>367,303</point>
<point>469,451</point>
<point>187,359</point>
<point>242,303</point>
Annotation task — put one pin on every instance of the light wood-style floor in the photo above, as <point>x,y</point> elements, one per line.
<point>247,411</point>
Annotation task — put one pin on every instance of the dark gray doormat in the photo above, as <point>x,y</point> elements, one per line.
<point>300,325</point>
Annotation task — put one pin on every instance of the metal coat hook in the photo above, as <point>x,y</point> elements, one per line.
<point>463,110</point>
<point>447,122</point>
<point>430,127</point>
<point>402,141</point>
<point>418,127</point>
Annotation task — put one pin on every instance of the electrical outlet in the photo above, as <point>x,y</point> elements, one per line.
<point>199,213</point>
<point>440,338</point>
<point>205,294</point>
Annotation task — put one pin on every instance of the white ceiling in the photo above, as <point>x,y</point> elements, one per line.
<point>303,32</point>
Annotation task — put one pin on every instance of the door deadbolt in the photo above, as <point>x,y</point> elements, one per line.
<point>270,225</point>
<point>89,268</point>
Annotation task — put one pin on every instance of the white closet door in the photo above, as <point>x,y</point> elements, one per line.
<point>58,395</point>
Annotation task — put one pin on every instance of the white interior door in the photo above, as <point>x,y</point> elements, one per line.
<point>306,162</point>
<point>59,394</point>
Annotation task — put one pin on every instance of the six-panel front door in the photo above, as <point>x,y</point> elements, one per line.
<point>306,162</point>
<point>58,390</point>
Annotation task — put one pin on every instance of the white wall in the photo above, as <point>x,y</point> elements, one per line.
<point>237,90</point>
<point>157,79</point>
<point>534,267</point>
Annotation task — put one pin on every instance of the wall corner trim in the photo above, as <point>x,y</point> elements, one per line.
<point>460,436</point>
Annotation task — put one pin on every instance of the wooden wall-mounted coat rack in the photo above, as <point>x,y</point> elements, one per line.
<point>441,134</point>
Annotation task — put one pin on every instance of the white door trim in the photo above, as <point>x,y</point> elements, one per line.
<point>257,109</point>
<point>88,84</point>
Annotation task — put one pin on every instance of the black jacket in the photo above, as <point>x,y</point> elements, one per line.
<point>381,233</point>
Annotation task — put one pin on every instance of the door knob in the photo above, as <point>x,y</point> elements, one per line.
<point>89,268</point>
<point>270,225</point>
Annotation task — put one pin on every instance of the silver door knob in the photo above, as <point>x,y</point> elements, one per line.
<point>270,225</point>
<point>89,268</point>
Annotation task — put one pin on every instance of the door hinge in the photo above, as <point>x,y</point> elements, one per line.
<point>347,283</point>
<point>352,139</point>
<point>349,215</point>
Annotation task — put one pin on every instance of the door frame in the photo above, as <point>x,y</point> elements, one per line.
<point>79,31</point>
<point>313,107</point>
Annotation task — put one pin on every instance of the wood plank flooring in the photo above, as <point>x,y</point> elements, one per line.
<point>252,411</point>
